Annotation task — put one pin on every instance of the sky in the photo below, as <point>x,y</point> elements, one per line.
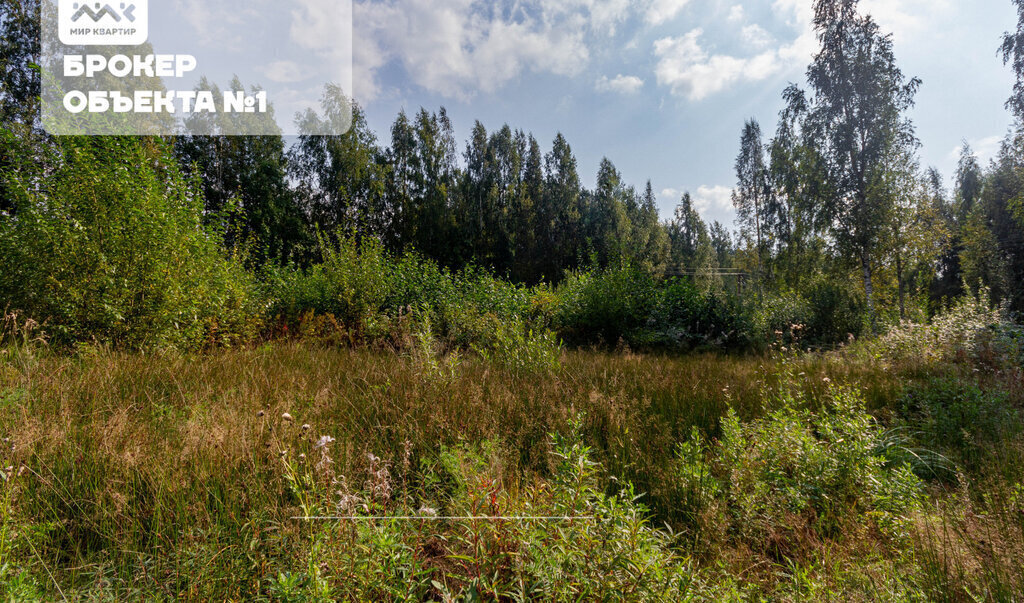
<point>662,87</point>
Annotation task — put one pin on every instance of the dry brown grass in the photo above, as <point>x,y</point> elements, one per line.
<point>165,468</point>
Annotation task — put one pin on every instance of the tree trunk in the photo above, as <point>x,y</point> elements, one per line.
<point>757,226</point>
<point>900,286</point>
<point>869,291</point>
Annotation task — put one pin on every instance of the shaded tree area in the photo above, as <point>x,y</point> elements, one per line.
<point>833,205</point>
<point>501,203</point>
<point>838,196</point>
<point>19,87</point>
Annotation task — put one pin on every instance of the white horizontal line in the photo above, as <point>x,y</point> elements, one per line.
<point>444,518</point>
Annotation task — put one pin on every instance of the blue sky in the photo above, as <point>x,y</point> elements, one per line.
<point>662,87</point>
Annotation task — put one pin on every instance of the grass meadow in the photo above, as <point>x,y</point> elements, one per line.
<point>842,475</point>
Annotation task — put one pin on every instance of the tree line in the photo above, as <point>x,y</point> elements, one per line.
<point>839,188</point>
<point>836,194</point>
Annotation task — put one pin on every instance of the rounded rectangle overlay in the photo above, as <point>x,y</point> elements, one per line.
<point>194,67</point>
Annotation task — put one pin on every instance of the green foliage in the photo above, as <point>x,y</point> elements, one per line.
<point>824,313</point>
<point>108,244</point>
<point>797,476</point>
<point>962,421</point>
<point>523,351</point>
<point>375,297</point>
<point>686,318</point>
<point>630,305</point>
<point>605,307</point>
<point>968,332</point>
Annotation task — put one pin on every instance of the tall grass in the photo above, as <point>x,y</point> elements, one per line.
<point>177,475</point>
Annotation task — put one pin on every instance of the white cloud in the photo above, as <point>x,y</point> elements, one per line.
<point>687,69</point>
<point>599,16</point>
<point>459,47</point>
<point>711,202</point>
<point>756,37</point>
<point>622,84</point>
<point>905,18</point>
<point>800,12</point>
<point>713,199</point>
<point>984,148</point>
<point>662,11</point>
<point>737,14</point>
<point>902,18</point>
<point>217,24</point>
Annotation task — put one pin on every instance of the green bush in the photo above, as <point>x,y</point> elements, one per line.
<point>523,351</point>
<point>604,307</point>
<point>685,318</point>
<point>961,420</point>
<point>836,313</point>
<point>797,476</point>
<point>377,297</point>
<point>107,243</point>
<point>630,305</point>
<point>825,313</point>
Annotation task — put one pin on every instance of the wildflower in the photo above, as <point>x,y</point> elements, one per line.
<point>427,511</point>
<point>306,427</point>
<point>302,457</point>
<point>322,442</point>
<point>287,417</point>
<point>826,380</point>
<point>260,413</point>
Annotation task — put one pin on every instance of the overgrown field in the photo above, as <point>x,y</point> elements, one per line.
<point>874,472</point>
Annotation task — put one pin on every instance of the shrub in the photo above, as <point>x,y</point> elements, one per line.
<point>108,244</point>
<point>776,316</point>
<point>825,313</point>
<point>604,307</point>
<point>836,313</point>
<point>797,476</point>
<point>379,298</point>
<point>970,332</point>
<point>685,318</point>
<point>521,350</point>
<point>564,540</point>
<point>630,305</point>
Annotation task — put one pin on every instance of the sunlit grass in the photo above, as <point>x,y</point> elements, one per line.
<point>161,475</point>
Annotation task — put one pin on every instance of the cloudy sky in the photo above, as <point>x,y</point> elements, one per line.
<point>662,87</point>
